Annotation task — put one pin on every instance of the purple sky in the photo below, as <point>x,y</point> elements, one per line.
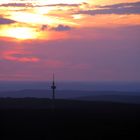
<point>99,45</point>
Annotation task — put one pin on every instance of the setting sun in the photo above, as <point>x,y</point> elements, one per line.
<point>21,33</point>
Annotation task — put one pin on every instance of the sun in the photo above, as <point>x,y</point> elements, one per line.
<point>21,33</point>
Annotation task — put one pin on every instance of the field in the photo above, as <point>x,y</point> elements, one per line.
<point>32,118</point>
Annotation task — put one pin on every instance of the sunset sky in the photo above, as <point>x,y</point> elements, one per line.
<point>78,40</point>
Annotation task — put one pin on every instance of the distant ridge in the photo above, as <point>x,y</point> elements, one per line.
<point>115,96</point>
<point>71,85</point>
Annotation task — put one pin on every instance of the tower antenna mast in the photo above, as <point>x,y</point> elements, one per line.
<point>53,87</point>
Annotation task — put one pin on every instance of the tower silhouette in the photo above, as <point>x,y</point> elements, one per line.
<point>53,87</point>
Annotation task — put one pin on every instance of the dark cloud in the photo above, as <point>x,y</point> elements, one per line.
<point>6,21</point>
<point>37,5</point>
<point>58,28</point>
<point>61,4</point>
<point>122,8</point>
<point>61,28</point>
<point>44,27</point>
<point>16,5</point>
<point>121,5</point>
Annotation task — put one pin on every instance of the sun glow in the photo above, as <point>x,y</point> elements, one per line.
<point>21,33</point>
<point>26,17</point>
<point>37,19</point>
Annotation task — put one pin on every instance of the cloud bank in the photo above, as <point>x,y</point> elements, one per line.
<point>120,9</point>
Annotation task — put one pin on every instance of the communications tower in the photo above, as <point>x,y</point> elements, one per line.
<point>53,87</point>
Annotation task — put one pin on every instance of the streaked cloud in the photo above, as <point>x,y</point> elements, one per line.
<point>19,56</point>
<point>16,5</point>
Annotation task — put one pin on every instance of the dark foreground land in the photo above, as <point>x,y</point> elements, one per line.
<point>34,119</point>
